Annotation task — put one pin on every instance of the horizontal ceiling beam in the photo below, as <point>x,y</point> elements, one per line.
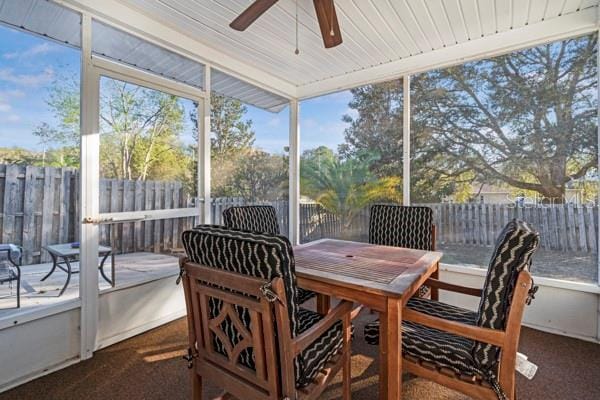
<point>136,22</point>
<point>569,25</point>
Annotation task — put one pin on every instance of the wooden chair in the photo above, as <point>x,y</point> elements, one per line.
<point>473,352</point>
<point>404,226</point>
<point>247,333</point>
<point>259,218</point>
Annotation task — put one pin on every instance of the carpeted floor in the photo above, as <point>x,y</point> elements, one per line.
<point>150,367</point>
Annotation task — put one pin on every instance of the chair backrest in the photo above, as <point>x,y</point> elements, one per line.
<point>226,305</point>
<point>401,226</point>
<point>252,218</point>
<point>512,254</point>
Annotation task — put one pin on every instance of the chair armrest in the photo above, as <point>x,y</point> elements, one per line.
<point>453,288</point>
<point>355,312</point>
<point>491,336</point>
<point>303,340</point>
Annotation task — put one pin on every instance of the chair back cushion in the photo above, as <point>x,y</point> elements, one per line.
<point>249,253</point>
<point>401,226</point>
<point>252,218</point>
<point>514,248</point>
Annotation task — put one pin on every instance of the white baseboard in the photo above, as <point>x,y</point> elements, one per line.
<point>38,374</point>
<point>105,342</point>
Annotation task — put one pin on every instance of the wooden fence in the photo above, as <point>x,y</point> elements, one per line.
<point>562,227</point>
<point>154,235</point>
<point>39,206</point>
<point>565,227</point>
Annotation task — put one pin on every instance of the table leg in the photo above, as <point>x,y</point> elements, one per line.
<point>112,269</point>
<point>54,264</point>
<point>101,268</point>
<point>323,304</point>
<point>68,264</point>
<point>390,351</point>
<point>435,275</point>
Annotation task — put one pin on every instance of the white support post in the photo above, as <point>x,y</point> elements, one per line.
<point>294,171</point>
<point>89,192</point>
<point>406,141</point>
<point>204,150</point>
<point>598,151</point>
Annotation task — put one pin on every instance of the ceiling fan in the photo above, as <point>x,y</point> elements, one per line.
<point>325,9</point>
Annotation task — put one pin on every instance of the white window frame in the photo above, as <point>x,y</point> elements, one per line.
<point>93,69</point>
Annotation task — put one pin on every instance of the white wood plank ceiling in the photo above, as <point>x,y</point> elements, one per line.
<point>375,32</point>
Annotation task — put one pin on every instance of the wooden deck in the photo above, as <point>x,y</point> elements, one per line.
<point>130,269</point>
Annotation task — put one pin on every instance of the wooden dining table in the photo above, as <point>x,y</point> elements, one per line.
<point>382,278</point>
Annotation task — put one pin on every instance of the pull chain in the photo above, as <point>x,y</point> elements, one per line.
<point>331,32</point>
<point>297,50</point>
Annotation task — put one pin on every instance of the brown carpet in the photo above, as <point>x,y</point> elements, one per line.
<point>150,367</point>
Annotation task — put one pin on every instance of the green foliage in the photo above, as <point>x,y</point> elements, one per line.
<point>345,185</point>
<point>64,101</point>
<point>259,176</point>
<point>140,133</point>
<point>525,120</point>
<point>230,132</point>
<point>377,129</point>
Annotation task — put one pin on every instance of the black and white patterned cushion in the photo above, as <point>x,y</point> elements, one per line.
<point>514,248</point>
<point>252,218</point>
<point>401,226</point>
<point>429,307</point>
<point>265,256</point>
<point>438,347</point>
<point>315,356</point>
<point>259,218</point>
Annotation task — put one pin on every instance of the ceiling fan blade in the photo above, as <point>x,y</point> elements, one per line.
<point>328,22</point>
<point>251,14</point>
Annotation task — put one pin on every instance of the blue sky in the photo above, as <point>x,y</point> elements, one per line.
<point>29,64</point>
<point>320,123</point>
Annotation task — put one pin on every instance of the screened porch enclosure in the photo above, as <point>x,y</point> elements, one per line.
<point>126,123</point>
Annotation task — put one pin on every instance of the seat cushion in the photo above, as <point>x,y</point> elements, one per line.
<point>10,252</point>
<point>429,307</point>
<point>438,347</point>
<point>305,295</point>
<point>443,310</point>
<point>315,356</point>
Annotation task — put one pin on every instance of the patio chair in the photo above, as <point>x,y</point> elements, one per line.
<point>10,267</point>
<point>258,218</point>
<point>473,352</point>
<point>247,332</point>
<point>404,226</point>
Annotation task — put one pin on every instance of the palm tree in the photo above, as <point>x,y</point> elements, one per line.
<point>344,186</point>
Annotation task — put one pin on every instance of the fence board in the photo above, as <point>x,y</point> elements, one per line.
<point>11,196</point>
<point>29,200</point>
<point>47,211</point>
